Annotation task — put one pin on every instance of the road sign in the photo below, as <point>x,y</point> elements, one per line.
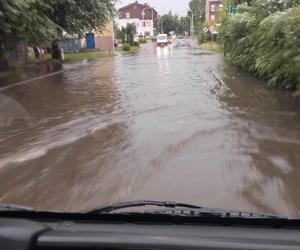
<point>205,29</point>
<point>232,9</point>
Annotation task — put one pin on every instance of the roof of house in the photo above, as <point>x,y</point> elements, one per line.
<point>137,4</point>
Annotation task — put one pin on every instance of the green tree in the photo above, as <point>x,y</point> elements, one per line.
<point>23,20</point>
<point>248,2</point>
<point>198,8</point>
<point>40,20</point>
<point>168,23</point>
<point>264,39</point>
<point>128,33</point>
<point>184,25</point>
<point>80,16</point>
<point>263,8</point>
<point>26,20</point>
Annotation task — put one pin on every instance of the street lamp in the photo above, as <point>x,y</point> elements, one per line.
<point>162,26</point>
<point>192,22</point>
<point>143,15</point>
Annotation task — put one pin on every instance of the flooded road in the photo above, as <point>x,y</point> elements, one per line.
<point>164,124</point>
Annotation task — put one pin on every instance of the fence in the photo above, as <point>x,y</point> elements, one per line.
<point>71,45</point>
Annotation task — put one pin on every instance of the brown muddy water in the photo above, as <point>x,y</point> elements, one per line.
<point>163,124</point>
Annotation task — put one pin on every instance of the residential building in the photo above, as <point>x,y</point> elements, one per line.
<point>213,9</point>
<point>142,15</point>
<point>104,39</point>
<point>101,39</point>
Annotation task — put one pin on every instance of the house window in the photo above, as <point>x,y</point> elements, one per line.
<point>212,17</point>
<point>212,8</point>
<point>221,6</point>
<point>127,15</point>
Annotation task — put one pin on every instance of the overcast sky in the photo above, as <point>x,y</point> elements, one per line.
<point>162,6</point>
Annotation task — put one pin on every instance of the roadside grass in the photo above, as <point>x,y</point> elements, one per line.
<point>31,60</point>
<point>82,55</point>
<point>143,40</point>
<point>86,55</point>
<point>133,49</point>
<point>7,73</point>
<point>212,46</point>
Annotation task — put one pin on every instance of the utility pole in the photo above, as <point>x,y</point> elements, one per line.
<point>191,21</point>
<point>162,26</point>
<point>192,24</point>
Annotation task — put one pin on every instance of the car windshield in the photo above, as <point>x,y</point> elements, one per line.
<point>162,37</point>
<point>190,101</point>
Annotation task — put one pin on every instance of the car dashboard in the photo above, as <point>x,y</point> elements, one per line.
<point>125,232</point>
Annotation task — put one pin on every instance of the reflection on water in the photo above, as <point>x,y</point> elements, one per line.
<point>168,123</point>
<point>165,51</point>
<point>10,111</point>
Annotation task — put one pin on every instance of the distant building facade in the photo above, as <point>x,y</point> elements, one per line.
<point>213,9</point>
<point>142,15</point>
<point>101,39</point>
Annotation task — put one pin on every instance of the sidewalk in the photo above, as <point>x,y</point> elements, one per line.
<point>29,72</point>
<point>37,71</point>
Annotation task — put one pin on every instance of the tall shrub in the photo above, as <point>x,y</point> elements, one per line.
<point>266,42</point>
<point>278,48</point>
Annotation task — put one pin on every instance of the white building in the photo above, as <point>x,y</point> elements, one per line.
<point>143,27</point>
<point>142,15</point>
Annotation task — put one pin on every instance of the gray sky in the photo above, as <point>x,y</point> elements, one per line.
<point>162,6</point>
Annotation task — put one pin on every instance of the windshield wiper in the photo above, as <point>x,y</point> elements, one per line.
<point>167,209</point>
<point>11,207</point>
<point>181,209</point>
<point>119,206</point>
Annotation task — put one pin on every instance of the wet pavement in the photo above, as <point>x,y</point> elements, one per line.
<point>174,124</point>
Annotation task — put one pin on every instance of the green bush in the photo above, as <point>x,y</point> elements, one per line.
<point>142,40</point>
<point>136,44</point>
<point>278,49</point>
<point>126,47</point>
<point>268,45</point>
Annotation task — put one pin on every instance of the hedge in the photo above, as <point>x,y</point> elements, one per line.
<point>268,45</point>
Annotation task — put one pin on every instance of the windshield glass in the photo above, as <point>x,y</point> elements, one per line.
<point>162,37</point>
<point>98,106</point>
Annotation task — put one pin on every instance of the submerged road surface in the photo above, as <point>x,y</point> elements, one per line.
<point>173,124</point>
